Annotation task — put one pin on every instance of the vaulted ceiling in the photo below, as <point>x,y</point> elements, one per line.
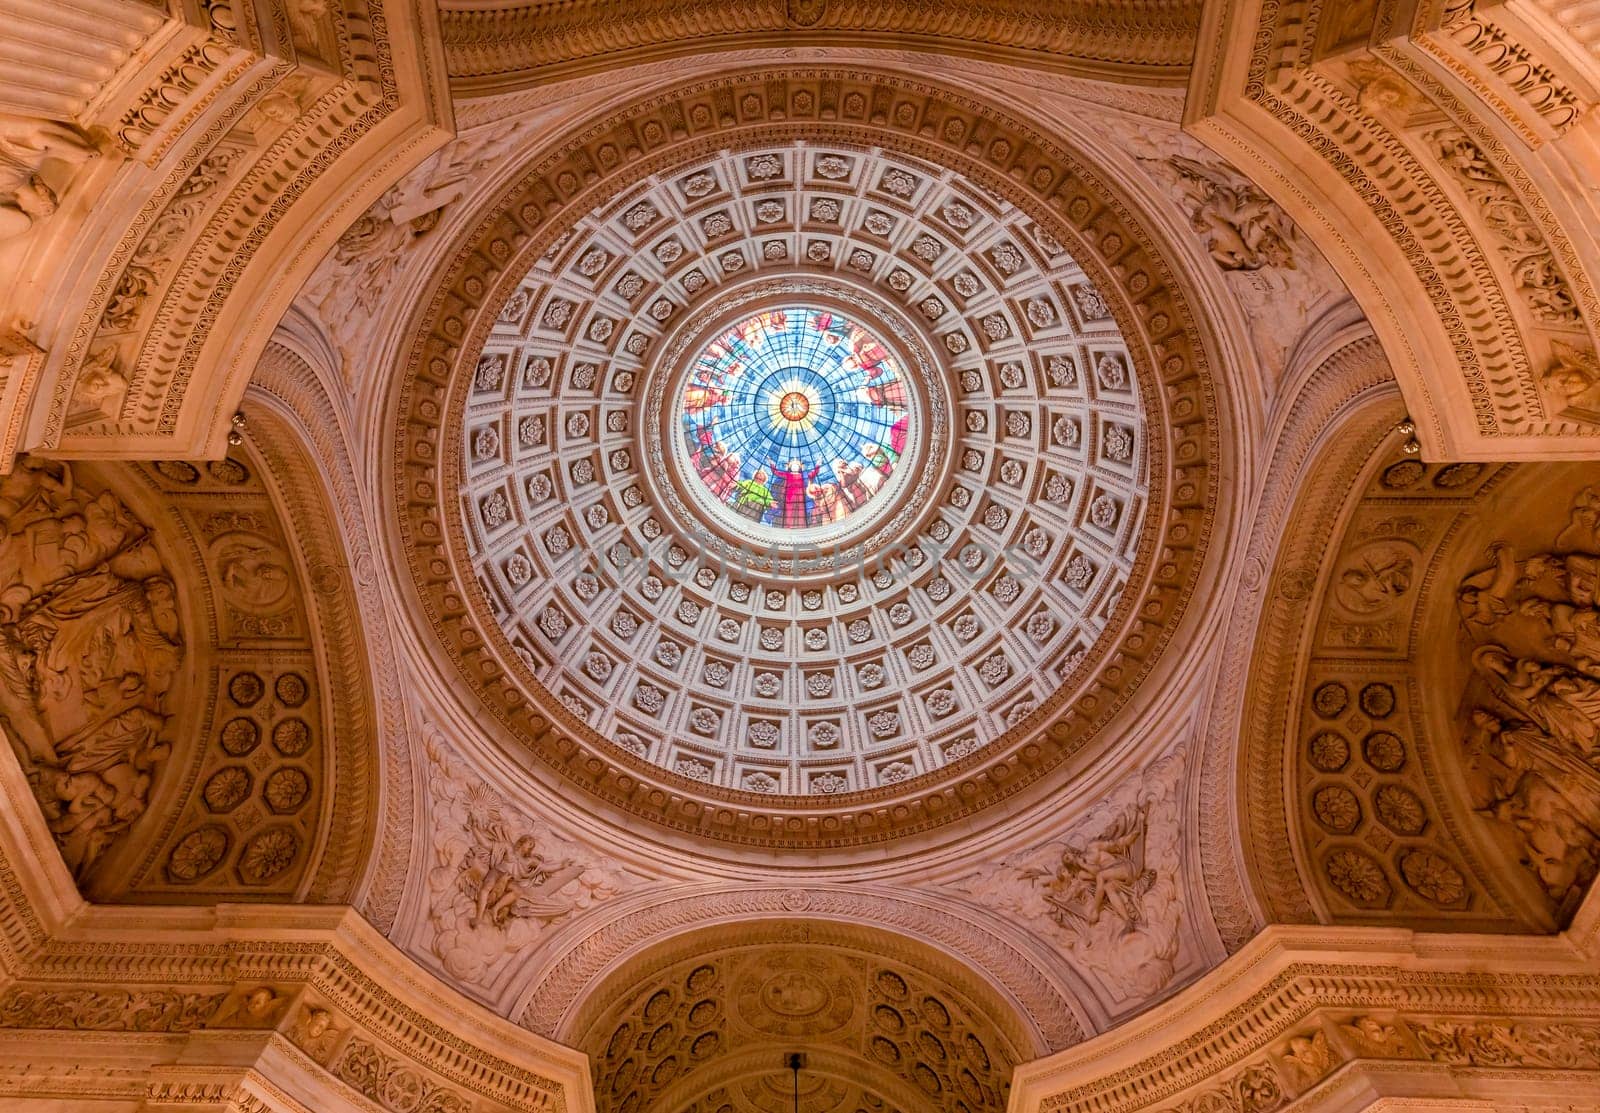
<point>1200,570</point>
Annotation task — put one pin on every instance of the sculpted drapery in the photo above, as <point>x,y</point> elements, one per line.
<point>89,648</point>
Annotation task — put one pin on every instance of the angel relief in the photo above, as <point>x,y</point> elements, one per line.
<point>500,880</point>
<point>1106,875</point>
<point>1243,228</point>
<point>509,878</point>
<point>1532,731</point>
<point>1107,895</point>
<point>89,651</point>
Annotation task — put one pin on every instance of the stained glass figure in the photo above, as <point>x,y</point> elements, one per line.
<point>795,417</point>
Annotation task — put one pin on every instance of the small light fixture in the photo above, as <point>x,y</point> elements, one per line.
<point>795,1062</point>
<point>1408,429</point>
<point>235,434</point>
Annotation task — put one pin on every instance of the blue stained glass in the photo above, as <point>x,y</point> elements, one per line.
<point>795,417</point>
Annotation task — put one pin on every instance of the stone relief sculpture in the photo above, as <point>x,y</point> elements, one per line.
<point>498,879</point>
<point>1275,272</point>
<point>1522,245</point>
<point>1243,228</point>
<point>1108,893</point>
<point>1532,714</point>
<point>1572,382</point>
<point>353,281</point>
<point>26,144</point>
<point>89,649</point>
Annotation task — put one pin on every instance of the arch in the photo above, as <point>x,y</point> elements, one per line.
<point>1047,1009</point>
<point>1387,771</point>
<point>874,1010</point>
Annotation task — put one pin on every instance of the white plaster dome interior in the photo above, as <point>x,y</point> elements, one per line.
<point>970,479</point>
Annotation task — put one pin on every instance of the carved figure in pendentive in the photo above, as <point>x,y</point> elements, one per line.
<point>1105,874</point>
<point>506,878</point>
<point>1244,229</point>
<point>1110,896</point>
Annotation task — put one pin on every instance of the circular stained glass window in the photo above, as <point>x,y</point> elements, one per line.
<point>796,421</point>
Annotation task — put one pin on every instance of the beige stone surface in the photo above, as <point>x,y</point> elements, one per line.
<point>1205,717</point>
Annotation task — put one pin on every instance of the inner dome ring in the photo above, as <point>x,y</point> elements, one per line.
<point>797,425</point>
<point>815,549</point>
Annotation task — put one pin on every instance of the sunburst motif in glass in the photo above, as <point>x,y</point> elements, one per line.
<point>795,417</point>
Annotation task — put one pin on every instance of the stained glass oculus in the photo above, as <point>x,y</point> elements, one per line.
<point>794,418</point>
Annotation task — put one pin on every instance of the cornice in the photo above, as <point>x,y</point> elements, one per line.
<point>500,47</point>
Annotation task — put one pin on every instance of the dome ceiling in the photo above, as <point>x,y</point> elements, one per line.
<point>657,566</point>
<point>1039,519</point>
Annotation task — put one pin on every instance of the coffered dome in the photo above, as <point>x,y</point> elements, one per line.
<point>803,469</point>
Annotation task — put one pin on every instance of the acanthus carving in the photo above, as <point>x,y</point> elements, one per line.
<point>103,1010</point>
<point>500,880</point>
<point>1108,893</point>
<point>27,144</point>
<point>1532,740</point>
<point>1522,245</point>
<point>89,651</point>
<point>395,1086</point>
<point>1501,1043</point>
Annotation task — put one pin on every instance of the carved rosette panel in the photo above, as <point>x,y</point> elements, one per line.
<point>1371,828</point>
<point>199,760</point>
<point>681,1029</point>
<point>1030,195</point>
<point>1440,730</point>
<point>254,800</point>
<point>865,666</point>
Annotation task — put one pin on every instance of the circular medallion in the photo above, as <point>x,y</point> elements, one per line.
<point>798,424</point>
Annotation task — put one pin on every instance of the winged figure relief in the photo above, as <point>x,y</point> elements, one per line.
<point>1244,229</point>
<point>1106,874</point>
<point>506,877</point>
